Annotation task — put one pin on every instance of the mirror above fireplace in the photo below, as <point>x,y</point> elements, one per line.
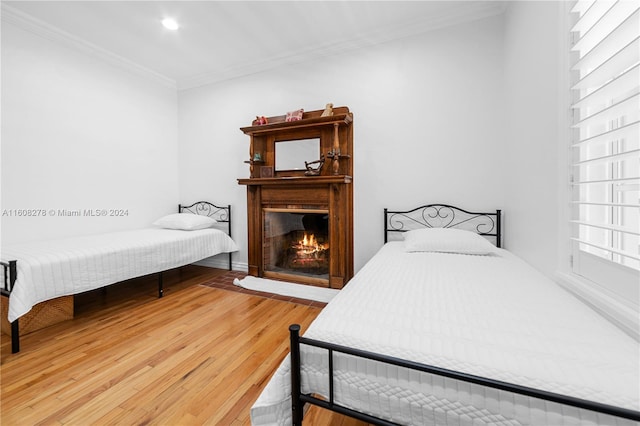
<point>291,155</point>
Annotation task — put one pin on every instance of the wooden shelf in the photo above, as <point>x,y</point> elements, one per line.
<point>297,180</point>
<point>341,119</point>
<point>338,156</point>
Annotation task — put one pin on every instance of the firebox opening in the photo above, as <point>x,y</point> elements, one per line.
<point>296,242</point>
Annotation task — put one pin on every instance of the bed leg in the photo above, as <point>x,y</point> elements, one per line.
<point>15,337</point>
<point>160,287</point>
<point>229,232</point>
<point>15,325</point>
<point>296,405</point>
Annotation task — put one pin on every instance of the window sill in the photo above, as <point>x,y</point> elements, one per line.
<point>624,315</point>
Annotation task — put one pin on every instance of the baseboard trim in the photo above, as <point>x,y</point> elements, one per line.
<point>222,262</point>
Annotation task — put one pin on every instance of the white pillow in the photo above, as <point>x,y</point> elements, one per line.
<point>447,240</point>
<point>185,221</point>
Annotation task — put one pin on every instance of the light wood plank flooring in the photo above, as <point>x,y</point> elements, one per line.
<point>200,355</point>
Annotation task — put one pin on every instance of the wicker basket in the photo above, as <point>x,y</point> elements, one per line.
<point>40,316</point>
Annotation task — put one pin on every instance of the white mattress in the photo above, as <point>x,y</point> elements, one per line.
<point>51,269</point>
<point>491,316</point>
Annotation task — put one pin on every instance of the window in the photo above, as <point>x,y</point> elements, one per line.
<point>605,145</point>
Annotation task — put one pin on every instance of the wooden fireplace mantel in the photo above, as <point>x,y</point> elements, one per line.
<point>310,119</point>
<point>297,180</point>
<point>330,190</point>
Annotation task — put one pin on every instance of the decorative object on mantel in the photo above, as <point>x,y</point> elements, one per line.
<point>294,115</point>
<point>266,171</point>
<point>257,157</point>
<point>328,110</point>
<point>260,120</point>
<point>314,171</point>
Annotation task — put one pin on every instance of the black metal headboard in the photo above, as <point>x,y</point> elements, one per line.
<point>221,214</point>
<point>443,216</point>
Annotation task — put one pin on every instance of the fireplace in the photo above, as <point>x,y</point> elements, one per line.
<point>296,242</point>
<point>300,217</point>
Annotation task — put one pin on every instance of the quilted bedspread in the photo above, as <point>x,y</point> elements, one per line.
<point>492,316</point>
<point>51,269</point>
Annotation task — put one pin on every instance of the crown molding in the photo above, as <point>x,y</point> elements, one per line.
<point>49,32</point>
<point>417,26</point>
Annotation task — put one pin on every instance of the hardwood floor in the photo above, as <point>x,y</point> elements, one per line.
<point>200,355</point>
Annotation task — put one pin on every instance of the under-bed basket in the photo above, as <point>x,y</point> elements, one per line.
<point>40,316</point>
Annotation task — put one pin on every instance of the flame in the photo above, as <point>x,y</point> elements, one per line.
<point>309,241</point>
<point>309,245</point>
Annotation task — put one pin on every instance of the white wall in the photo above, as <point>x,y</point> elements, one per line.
<point>428,120</point>
<point>532,119</point>
<point>78,133</point>
<point>465,115</point>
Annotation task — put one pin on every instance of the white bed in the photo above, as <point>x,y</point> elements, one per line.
<point>491,316</point>
<point>51,269</point>
<point>46,270</point>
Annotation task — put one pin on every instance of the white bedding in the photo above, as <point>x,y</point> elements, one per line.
<point>491,316</point>
<point>51,269</point>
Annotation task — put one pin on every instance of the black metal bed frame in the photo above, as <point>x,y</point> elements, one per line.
<point>432,215</point>
<point>205,208</point>
<point>444,216</point>
<point>202,208</point>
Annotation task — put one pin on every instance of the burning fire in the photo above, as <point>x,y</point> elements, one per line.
<point>309,246</point>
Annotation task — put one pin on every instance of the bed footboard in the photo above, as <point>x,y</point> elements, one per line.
<point>298,399</point>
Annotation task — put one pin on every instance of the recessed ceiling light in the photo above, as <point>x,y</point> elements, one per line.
<point>170,24</point>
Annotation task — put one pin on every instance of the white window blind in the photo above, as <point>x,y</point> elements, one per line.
<point>605,145</point>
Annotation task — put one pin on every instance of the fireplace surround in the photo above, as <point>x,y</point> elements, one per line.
<point>300,226</point>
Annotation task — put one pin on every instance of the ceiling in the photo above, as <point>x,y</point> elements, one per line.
<point>220,40</point>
